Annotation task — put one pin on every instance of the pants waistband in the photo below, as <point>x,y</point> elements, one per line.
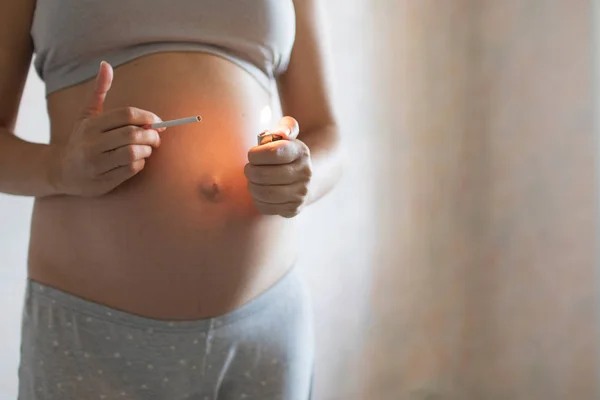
<point>290,284</point>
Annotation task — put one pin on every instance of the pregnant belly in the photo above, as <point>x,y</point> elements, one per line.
<point>181,239</point>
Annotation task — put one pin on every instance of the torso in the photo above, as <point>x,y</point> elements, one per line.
<point>181,240</point>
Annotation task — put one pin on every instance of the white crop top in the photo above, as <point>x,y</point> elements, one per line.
<point>71,37</point>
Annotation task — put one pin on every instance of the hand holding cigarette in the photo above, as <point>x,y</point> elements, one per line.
<point>106,148</point>
<point>279,171</point>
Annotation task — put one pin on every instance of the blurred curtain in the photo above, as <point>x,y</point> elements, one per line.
<point>457,258</point>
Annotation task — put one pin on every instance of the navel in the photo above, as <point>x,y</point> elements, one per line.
<point>210,190</point>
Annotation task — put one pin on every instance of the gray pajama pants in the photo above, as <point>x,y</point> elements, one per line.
<point>73,349</point>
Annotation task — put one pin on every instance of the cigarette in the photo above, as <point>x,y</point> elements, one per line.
<point>175,122</point>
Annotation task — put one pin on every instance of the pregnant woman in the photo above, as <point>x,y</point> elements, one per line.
<point>161,261</point>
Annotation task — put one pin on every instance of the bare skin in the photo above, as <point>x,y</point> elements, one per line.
<point>186,223</point>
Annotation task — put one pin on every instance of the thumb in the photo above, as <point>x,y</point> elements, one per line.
<point>95,103</point>
<point>289,126</point>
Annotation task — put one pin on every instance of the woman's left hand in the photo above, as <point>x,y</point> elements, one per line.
<point>279,172</point>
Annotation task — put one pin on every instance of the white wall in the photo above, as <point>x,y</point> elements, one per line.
<point>15,213</point>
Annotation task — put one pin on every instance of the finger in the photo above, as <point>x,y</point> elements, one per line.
<point>122,157</point>
<point>119,175</point>
<point>127,135</point>
<point>102,84</point>
<point>278,194</point>
<point>121,117</point>
<point>288,126</point>
<point>277,153</point>
<point>287,210</point>
<point>298,171</point>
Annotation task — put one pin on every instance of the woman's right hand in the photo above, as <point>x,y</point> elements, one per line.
<point>105,148</point>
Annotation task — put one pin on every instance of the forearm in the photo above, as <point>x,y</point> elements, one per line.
<point>26,169</point>
<point>326,155</point>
